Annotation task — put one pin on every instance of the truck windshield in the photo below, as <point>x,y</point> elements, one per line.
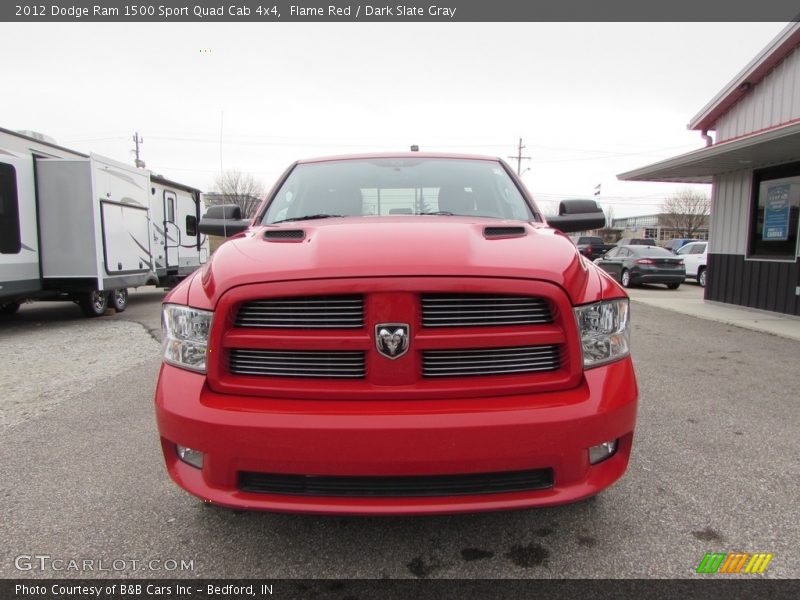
<point>399,186</point>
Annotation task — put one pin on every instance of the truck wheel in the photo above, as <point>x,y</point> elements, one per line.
<point>625,278</point>
<point>94,303</point>
<point>9,308</point>
<point>701,277</point>
<point>118,299</point>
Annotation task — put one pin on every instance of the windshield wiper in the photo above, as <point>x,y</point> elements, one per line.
<point>306,218</point>
<point>437,212</point>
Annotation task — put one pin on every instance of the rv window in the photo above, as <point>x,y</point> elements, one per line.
<point>10,242</point>
<point>170,201</point>
<point>191,225</point>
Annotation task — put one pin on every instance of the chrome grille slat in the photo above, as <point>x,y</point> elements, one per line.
<point>506,309</point>
<point>299,353</point>
<point>344,313</point>
<point>483,310</point>
<point>316,312</point>
<point>480,314</point>
<point>477,364</point>
<point>292,366</point>
<point>308,375</point>
<point>490,361</point>
<point>302,363</point>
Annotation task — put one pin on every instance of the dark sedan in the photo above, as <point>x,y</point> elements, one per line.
<point>632,265</point>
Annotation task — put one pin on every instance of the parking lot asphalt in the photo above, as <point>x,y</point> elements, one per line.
<point>714,468</point>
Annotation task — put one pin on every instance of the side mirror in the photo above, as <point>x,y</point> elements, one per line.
<point>224,220</point>
<point>578,215</point>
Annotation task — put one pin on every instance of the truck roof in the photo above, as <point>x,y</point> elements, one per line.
<point>367,156</point>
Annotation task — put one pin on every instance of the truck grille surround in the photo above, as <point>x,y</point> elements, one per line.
<point>320,345</point>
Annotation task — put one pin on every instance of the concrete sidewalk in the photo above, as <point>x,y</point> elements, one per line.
<point>688,300</point>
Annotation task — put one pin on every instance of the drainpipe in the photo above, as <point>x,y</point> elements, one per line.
<point>706,137</point>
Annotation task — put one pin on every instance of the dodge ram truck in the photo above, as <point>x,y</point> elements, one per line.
<point>397,334</point>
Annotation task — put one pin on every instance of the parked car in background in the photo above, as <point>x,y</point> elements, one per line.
<point>632,265</point>
<point>695,257</point>
<point>678,243</point>
<point>636,242</point>
<point>591,246</point>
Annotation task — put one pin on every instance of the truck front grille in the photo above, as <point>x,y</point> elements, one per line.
<point>398,486</point>
<point>466,337</point>
<point>311,363</point>
<point>483,310</point>
<point>490,361</point>
<point>318,312</point>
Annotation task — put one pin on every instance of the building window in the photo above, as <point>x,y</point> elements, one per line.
<point>775,212</point>
<point>10,241</point>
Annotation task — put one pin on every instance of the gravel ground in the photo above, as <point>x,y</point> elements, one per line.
<point>45,365</point>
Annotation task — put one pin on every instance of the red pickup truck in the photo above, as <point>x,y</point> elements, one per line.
<point>397,334</point>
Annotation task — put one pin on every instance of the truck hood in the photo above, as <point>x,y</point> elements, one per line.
<point>398,246</point>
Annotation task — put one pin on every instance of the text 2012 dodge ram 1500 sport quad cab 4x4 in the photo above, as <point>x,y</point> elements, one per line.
<point>397,334</point>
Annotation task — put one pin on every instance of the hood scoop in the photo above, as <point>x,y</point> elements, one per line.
<point>495,233</point>
<point>284,235</point>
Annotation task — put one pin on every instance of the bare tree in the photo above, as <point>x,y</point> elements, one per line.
<point>235,187</point>
<point>686,212</point>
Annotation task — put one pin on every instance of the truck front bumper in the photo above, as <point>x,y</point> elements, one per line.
<point>356,441</point>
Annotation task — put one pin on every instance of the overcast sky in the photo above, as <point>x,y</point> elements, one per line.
<point>590,100</point>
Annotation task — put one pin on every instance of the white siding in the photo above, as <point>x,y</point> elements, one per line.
<point>730,208</point>
<point>774,100</point>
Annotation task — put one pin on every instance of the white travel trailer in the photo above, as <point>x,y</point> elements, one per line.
<point>177,244</point>
<point>86,228</point>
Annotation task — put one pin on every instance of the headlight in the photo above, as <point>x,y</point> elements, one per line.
<point>604,331</point>
<point>185,336</point>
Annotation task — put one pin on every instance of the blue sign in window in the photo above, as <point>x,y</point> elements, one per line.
<point>776,214</point>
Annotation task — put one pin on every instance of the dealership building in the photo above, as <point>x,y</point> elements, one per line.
<point>753,164</point>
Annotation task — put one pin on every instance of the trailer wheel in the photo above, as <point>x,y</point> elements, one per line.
<point>118,299</point>
<point>94,303</point>
<point>9,308</point>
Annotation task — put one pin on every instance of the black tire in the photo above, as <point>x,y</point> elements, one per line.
<point>118,299</point>
<point>94,303</point>
<point>702,277</point>
<point>8,308</point>
<point>625,278</point>
<point>673,286</point>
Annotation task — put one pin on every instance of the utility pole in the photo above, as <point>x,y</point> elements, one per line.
<point>137,140</point>
<point>519,157</point>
